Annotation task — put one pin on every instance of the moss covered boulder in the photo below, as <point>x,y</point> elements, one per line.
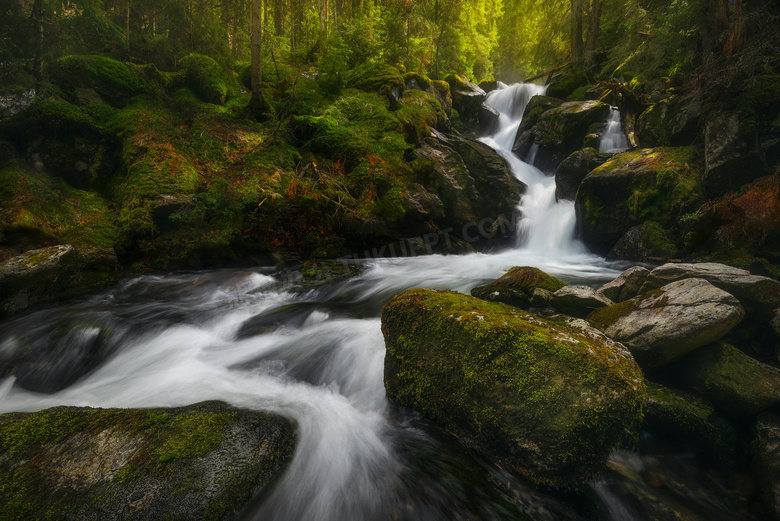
<point>573,170</point>
<point>207,79</point>
<point>737,384</point>
<point>114,81</point>
<point>662,325</point>
<point>467,97</point>
<point>659,185</point>
<point>679,416</point>
<point>546,400</point>
<point>564,82</point>
<point>204,461</point>
<point>670,122</point>
<point>516,287</point>
<point>558,132</point>
<point>45,275</point>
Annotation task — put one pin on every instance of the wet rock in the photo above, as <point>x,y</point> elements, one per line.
<point>664,324</point>
<point>626,285</point>
<point>738,385</point>
<point>558,132</point>
<point>541,298</point>
<point>658,185</point>
<point>767,461</point>
<point>441,91</point>
<point>166,206</point>
<point>320,272</point>
<point>678,416</point>
<point>203,461</point>
<point>573,170</point>
<point>759,295</point>
<point>467,97</point>
<point>291,315</point>
<point>516,287</point>
<point>44,275</point>
<point>488,119</point>
<point>728,160</point>
<point>670,122</point>
<point>511,384</point>
<point>13,104</point>
<point>578,301</point>
<point>646,242</point>
<point>775,323</point>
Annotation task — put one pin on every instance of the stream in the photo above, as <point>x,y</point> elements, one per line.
<point>163,341</point>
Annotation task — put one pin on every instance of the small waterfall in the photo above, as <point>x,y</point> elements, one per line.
<point>544,225</point>
<point>614,139</point>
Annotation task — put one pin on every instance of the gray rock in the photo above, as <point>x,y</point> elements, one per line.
<point>205,461</point>
<point>775,323</point>
<point>728,163</point>
<point>670,122</point>
<point>466,98</point>
<point>488,119</point>
<point>665,324</point>
<point>738,385</point>
<point>541,298</point>
<point>578,301</point>
<point>626,285</point>
<point>573,170</point>
<point>757,294</point>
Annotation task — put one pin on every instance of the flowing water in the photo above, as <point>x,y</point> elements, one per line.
<point>614,139</point>
<point>157,341</point>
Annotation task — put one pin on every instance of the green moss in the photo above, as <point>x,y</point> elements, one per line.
<point>373,77</point>
<point>34,260</point>
<point>567,82</point>
<point>485,369</point>
<point>207,79</point>
<point>602,318</point>
<point>110,78</point>
<point>422,81</point>
<point>192,435</point>
<point>442,87</point>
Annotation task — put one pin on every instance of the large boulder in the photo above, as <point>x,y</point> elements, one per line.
<point>546,400</point>
<point>626,285</point>
<point>207,79</point>
<point>759,295</point>
<point>729,160</point>
<point>205,461</point>
<point>578,301</point>
<point>679,416</point>
<point>517,286</point>
<point>664,324</point>
<point>467,97</point>
<point>114,81</point>
<point>738,385</point>
<point>658,185</point>
<point>573,170</point>
<point>670,122</point>
<point>488,119</point>
<point>647,242</point>
<point>563,83</point>
<point>44,275</point>
<point>559,132</point>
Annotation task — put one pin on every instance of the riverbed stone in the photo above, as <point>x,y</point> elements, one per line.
<point>516,287</point>
<point>767,461</point>
<point>626,285</point>
<point>737,384</point>
<point>759,295</point>
<point>578,301</point>
<point>662,325</point>
<point>545,400</point>
<point>573,170</point>
<point>204,461</point>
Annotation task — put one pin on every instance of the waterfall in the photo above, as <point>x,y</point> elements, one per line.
<point>544,225</point>
<point>614,139</point>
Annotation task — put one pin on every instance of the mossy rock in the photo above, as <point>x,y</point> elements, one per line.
<point>205,461</point>
<point>547,401</point>
<point>319,272</point>
<point>112,79</point>
<point>646,242</point>
<point>567,81</point>
<point>658,184</point>
<point>421,81</point>
<point>374,77</point>
<point>516,286</point>
<point>682,417</point>
<point>52,116</point>
<point>206,78</point>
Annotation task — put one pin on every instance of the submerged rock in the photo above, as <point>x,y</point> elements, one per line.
<point>738,385</point>
<point>662,325</point>
<point>546,400</point>
<point>204,461</point>
<point>517,286</point>
<point>626,285</point>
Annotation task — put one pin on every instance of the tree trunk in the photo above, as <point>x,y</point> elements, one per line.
<point>593,33</point>
<point>258,108</point>
<point>127,29</point>
<point>37,16</point>
<point>576,32</point>
<point>278,18</point>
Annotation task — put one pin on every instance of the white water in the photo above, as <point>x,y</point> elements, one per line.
<point>614,139</point>
<point>179,346</point>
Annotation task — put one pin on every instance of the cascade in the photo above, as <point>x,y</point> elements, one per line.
<point>614,139</point>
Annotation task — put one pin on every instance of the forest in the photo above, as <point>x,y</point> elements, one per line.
<point>420,260</point>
